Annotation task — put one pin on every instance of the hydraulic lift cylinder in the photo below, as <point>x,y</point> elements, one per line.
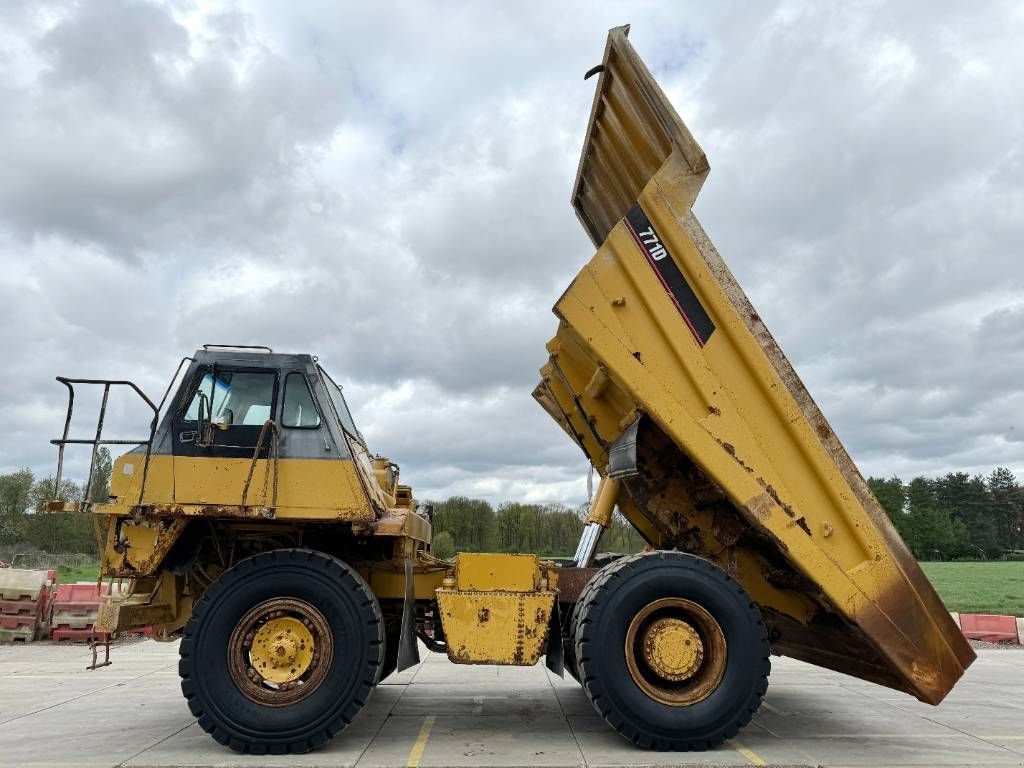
<point>599,518</point>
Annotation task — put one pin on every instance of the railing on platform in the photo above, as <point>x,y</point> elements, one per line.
<point>57,505</point>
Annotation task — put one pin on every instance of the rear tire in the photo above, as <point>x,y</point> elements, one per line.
<point>569,637</point>
<point>281,652</point>
<point>632,625</point>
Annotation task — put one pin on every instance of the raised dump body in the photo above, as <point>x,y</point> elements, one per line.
<point>665,375</point>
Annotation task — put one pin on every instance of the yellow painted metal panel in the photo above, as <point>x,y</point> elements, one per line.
<point>313,489</point>
<point>743,447</point>
<point>632,129</point>
<point>387,579</point>
<point>510,573</point>
<point>495,627</point>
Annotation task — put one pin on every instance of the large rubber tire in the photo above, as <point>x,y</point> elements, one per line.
<point>353,616</point>
<point>569,636</point>
<point>569,648</point>
<point>619,592</point>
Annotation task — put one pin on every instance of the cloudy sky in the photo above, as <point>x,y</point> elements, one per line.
<point>387,186</point>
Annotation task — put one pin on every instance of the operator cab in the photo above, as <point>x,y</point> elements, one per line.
<point>249,432</point>
<point>229,396</point>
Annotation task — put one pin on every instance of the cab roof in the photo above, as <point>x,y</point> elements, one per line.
<point>257,357</point>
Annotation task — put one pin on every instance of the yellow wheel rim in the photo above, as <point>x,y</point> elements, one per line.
<point>676,651</point>
<point>282,650</point>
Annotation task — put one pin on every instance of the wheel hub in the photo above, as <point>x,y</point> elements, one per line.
<point>282,650</point>
<point>672,649</point>
<point>675,651</point>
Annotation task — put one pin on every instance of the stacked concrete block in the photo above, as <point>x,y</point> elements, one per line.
<point>24,602</point>
<point>75,607</point>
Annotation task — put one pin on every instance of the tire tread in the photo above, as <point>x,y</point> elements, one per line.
<point>240,570</point>
<point>588,609</point>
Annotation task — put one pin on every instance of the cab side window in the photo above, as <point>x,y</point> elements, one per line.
<point>299,409</point>
<point>233,398</point>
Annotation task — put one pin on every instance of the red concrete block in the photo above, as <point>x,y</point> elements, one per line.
<point>20,607</point>
<point>14,622</point>
<point>77,635</point>
<point>82,598</point>
<point>989,628</point>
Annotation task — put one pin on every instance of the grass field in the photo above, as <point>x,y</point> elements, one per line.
<point>67,574</point>
<point>964,587</point>
<point>996,587</point>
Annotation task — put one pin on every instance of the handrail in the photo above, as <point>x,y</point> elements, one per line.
<point>269,426</point>
<point>98,440</point>
<point>208,347</point>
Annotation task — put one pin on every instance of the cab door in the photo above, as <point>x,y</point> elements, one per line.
<point>236,402</point>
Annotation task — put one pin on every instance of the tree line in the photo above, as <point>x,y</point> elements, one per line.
<point>553,530</point>
<point>956,516</point>
<point>22,528</point>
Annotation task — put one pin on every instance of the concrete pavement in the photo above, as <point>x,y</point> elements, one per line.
<point>54,713</point>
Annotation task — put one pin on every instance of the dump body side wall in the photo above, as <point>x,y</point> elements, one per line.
<point>657,313</point>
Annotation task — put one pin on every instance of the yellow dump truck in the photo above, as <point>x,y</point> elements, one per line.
<point>254,523</point>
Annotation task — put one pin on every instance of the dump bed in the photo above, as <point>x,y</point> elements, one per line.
<point>665,375</point>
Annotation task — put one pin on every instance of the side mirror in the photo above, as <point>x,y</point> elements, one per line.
<point>203,427</point>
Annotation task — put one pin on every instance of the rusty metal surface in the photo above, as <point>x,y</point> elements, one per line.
<point>571,581</point>
<point>917,590</point>
<point>497,608</point>
<point>495,627</point>
<point>484,572</point>
<point>146,601</point>
<point>137,547</point>
<point>735,462</point>
<point>692,678</point>
<point>252,657</point>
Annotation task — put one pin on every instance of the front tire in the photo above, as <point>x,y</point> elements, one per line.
<point>672,651</point>
<point>281,652</point>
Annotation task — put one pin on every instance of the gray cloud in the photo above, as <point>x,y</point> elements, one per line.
<point>388,188</point>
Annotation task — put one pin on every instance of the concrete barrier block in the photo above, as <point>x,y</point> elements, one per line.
<point>21,634</point>
<point>21,584</point>
<point>18,621</point>
<point>989,628</point>
<point>1020,630</point>
<point>20,607</point>
<point>84,594</point>
<point>67,620</point>
<point>62,635</point>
